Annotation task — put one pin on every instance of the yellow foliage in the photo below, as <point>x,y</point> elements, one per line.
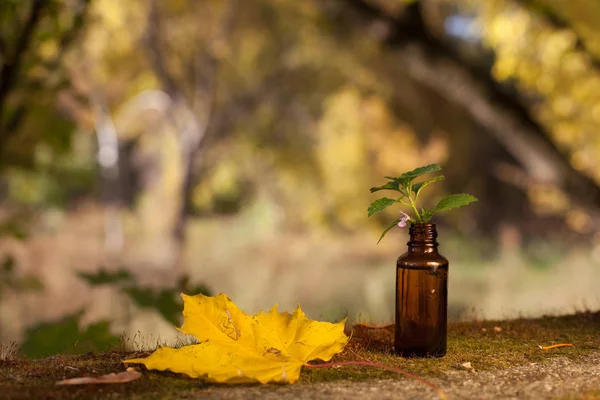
<point>341,153</point>
<point>239,348</point>
<point>48,49</point>
<point>548,199</point>
<point>223,180</point>
<point>549,68</point>
<point>579,220</point>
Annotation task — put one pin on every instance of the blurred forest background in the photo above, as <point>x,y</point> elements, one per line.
<point>149,147</point>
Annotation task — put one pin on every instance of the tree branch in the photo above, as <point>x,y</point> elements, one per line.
<point>428,61</point>
<point>11,68</point>
<point>70,35</point>
<point>194,114</point>
<point>213,62</point>
<point>10,71</point>
<point>156,54</point>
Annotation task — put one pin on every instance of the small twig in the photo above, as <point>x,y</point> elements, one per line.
<point>438,390</point>
<point>554,346</point>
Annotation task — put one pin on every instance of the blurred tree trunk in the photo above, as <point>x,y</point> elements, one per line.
<point>11,68</point>
<point>13,57</point>
<point>191,115</point>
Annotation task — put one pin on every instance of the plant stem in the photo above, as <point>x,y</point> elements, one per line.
<point>404,203</point>
<point>438,390</point>
<point>412,203</point>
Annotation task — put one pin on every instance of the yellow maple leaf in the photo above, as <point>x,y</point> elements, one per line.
<point>239,348</point>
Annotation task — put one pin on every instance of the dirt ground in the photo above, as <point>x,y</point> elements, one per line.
<point>510,359</point>
<point>560,378</point>
<point>556,378</point>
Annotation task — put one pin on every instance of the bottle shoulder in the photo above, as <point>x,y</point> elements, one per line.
<point>422,260</point>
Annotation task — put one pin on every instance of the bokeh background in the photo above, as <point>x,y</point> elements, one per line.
<point>149,147</point>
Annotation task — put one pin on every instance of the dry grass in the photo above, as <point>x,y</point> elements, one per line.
<point>9,352</point>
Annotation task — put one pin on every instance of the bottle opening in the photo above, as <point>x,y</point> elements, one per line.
<point>423,234</point>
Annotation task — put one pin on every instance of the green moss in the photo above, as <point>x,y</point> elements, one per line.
<point>36,378</point>
<point>517,343</point>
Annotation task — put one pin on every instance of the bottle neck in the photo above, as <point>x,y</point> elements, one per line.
<point>422,238</point>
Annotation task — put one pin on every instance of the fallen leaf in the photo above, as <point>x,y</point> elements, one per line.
<point>465,367</point>
<point>239,348</point>
<point>126,376</point>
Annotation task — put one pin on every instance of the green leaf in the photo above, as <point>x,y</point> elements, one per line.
<point>30,283</point>
<point>166,301</point>
<point>426,215</point>
<point>410,175</point>
<point>454,201</point>
<point>406,178</point>
<point>386,230</point>
<point>103,277</point>
<point>418,186</point>
<point>388,186</point>
<point>68,336</point>
<point>184,285</point>
<point>380,204</point>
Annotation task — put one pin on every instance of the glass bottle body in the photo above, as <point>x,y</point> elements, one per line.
<point>421,296</point>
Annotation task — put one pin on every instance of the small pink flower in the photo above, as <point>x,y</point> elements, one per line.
<point>403,219</point>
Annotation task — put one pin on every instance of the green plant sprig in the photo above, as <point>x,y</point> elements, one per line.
<point>409,193</point>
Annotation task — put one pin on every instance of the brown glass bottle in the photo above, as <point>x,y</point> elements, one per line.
<point>421,296</point>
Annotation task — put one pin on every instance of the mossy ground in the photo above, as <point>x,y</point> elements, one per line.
<point>486,345</point>
<point>591,395</point>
